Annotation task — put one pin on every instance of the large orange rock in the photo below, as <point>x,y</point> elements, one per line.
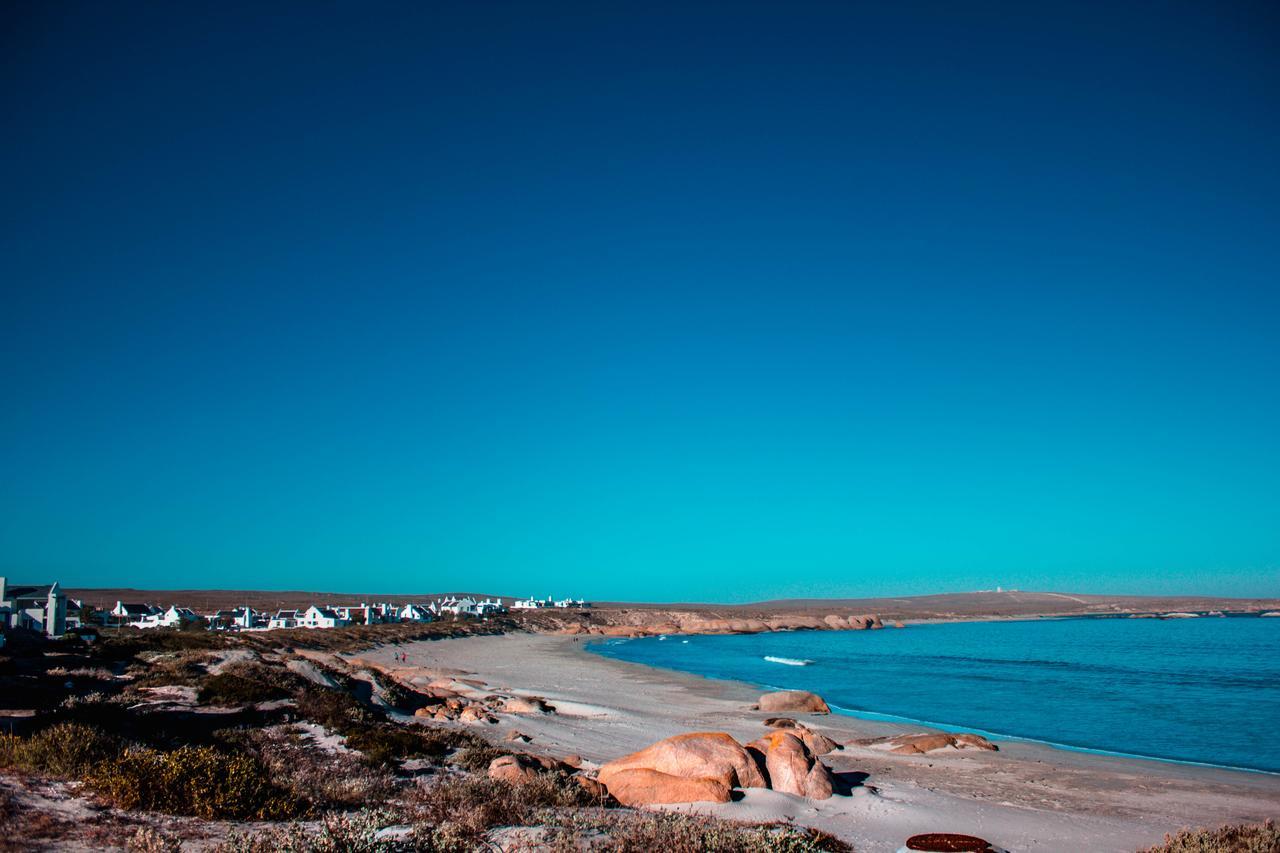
<point>792,768</point>
<point>527,705</point>
<point>514,768</point>
<point>793,700</point>
<point>709,756</point>
<point>641,786</point>
<point>816,742</point>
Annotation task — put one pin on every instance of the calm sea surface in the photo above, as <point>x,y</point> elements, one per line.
<point>1203,690</point>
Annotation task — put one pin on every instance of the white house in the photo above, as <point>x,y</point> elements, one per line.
<point>415,613</point>
<point>531,603</point>
<point>243,618</point>
<point>37,608</point>
<point>284,619</point>
<point>459,606</point>
<point>385,611</point>
<point>172,618</point>
<point>491,605</point>
<point>570,602</point>
<point>123,612</point>
<point>320,617</point>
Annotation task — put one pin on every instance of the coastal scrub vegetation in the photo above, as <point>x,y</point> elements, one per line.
<point>1240,838</point>
<point>459,813</point>
<point>201,781</point>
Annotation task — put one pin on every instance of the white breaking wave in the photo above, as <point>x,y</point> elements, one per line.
<point>787,661</point>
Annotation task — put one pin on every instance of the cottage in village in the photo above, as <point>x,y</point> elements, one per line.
<point>40,608</point>
<point>174,617</point>
<point>127,613</point>
<point>284,619</point>
<point>415,613</point>
<point>320,617</point>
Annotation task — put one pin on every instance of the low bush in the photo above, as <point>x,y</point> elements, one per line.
<point>642,832</point>
<point>336,710</point>
<point>64,749</point>
<point>125,643</point>
<point>353,832</point>
<point>184,669</point>
<point>311,774</point>
<point>1241,838</point>
<point>453,811</point>
<point>386,743</point>
<point>246,683</point>
<point>478,756</point>
<point>191,780</point>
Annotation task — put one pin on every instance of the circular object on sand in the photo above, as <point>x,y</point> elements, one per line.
<point>947,842</point>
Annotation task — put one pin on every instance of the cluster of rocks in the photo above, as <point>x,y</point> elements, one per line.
<point>522,767</point>
<point>443,703</point>
<point>700,766</point>
<point>707,766</point>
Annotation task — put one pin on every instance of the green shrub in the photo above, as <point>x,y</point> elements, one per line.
<point>1241,838</point>
<point>64,749</point>
<point>190,780</point>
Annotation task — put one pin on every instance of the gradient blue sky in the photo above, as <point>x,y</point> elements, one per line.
<point>665,301</point>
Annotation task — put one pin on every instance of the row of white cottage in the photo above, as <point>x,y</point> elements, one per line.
<point>316,616</point>
<point>337,616</point>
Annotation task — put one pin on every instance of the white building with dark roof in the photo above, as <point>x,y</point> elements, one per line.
<point>42,607</point>
<point>320,617</point>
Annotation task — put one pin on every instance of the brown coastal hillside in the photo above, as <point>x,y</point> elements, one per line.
<point>633,618</point>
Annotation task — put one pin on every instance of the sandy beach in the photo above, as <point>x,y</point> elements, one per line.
<point>1027,796</point>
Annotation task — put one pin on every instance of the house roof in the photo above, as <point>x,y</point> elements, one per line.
<point>38,591</point>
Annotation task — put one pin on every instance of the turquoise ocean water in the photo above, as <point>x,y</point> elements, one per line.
<point>1201,690</point>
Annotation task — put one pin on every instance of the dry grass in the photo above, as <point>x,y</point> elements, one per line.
<point>1241,838</point>
<point>183,669</point>
<point>627,831</point>
<point>190,780</point>
<point>313,775</point>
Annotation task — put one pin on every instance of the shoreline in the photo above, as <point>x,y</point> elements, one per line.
<point>1027,796</point>
<point>935,726</point>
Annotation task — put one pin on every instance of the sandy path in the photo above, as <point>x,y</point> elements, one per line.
<point>1026,797</point>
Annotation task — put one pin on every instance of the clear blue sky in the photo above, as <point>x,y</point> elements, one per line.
<point>665,301</point>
